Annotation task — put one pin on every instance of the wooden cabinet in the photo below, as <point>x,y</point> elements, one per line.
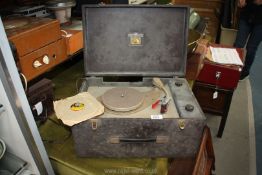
<point>211,16</point>
<point>214,100</point>
<point>211,98</point>
<point>202,164</point>
<point>38,44</point>
<point>201,3</point>
<point>205,160</point>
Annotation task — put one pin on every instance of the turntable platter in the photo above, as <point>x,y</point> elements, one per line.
<point>122,99</point>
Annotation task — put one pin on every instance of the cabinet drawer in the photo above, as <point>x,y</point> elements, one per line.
<point>212,99</point>
<point>55,53</point>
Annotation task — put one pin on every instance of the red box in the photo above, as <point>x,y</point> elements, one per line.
<point>222,76</point>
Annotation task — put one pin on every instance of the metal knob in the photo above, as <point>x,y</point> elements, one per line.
<point>37,64</point>
<point>189,107</point>
<point>46,59</point>
<point>178,83</point>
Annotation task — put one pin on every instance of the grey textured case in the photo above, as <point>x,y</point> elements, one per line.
<point>107,31</point>
<point>161,52</point>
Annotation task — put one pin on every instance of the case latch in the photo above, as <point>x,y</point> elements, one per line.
<point>218,75</point>
<point>181,124</point>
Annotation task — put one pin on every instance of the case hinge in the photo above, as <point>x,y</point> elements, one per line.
<point>95,123</point>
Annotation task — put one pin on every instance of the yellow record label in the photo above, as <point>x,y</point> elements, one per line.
<point>77,106</point>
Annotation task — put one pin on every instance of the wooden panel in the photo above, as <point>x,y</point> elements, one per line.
<point>182,166</point>
<point>205,160</point>
<point>195,60</point>
<point>209,10</point>
<point>75,42</point>
<point>56,52</point>
<point>61,51</point>
<point>200,3</point>
<point>202,164</point>
<point>204,94</point>
<point>212,19</point>
<point>38,33</point>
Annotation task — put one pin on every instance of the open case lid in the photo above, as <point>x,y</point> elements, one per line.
<point>141,40</point>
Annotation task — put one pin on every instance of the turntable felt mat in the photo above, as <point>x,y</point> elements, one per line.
<point>149,98</point>
<point>65,161</point>
<point>122,99</point>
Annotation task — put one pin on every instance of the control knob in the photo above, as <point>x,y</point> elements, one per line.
<point>46,59</point>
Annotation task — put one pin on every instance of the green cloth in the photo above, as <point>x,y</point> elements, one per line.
<point>163,1</point>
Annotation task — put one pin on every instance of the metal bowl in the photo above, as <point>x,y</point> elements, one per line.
<point>60,4</point>
<point>61,9</point>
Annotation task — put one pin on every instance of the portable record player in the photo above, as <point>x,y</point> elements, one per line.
<point>38,43</point>
<point>123,54</point>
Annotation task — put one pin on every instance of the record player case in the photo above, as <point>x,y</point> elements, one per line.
<point>145,42</point>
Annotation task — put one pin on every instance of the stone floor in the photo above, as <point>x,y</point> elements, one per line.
<point>232,151</point>
<point>256,85</point>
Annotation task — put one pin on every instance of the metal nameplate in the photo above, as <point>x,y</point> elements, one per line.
<point>135,39</point>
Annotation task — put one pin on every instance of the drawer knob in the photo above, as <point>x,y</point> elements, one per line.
<point>37,64</point>
<point>46,59</point>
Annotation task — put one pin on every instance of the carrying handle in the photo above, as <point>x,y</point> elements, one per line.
<point>136,140</point>
<point>157,139</point>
